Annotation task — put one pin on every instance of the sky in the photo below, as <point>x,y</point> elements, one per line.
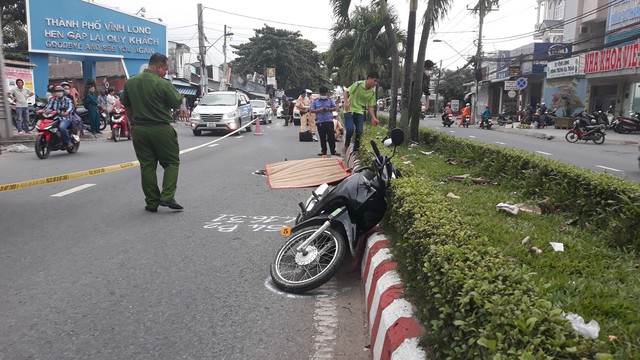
<point>515,19</point>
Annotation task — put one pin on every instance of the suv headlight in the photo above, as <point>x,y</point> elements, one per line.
<point>229,116</point>
<point>195,116</point>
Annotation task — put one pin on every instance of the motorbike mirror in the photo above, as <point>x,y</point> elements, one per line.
<point>397,137</point>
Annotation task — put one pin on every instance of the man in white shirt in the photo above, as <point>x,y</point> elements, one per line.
<point>111,101</point>
<point>19,94</point>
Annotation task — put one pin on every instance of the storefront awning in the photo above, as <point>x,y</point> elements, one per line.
<point>186,90</point>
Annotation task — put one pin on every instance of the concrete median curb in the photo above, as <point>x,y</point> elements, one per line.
<point>393,328</point>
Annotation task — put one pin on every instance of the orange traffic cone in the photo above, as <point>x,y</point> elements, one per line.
<point>258,131</point>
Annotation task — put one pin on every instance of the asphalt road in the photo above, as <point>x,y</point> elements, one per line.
<point>90,275</point>
<point>617,156</point>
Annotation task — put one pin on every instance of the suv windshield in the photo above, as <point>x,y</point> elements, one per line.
<point>258,103</point>
<point>218,99</point>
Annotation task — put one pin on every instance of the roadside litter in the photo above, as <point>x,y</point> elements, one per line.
<point>453,196</point>
<point>557,246</point>
<point>18,148</point>
<point>512,209</point>
<point>590,330</point>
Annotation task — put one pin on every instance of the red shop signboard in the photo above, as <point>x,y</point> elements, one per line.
<point>624,57</point>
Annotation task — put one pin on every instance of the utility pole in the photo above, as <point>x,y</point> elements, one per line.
<point>435,107</point>
<point>224,52</point>
<point>478,66</point>
<point>202,54</point>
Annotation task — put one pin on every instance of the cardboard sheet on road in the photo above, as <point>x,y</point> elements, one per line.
<point>305,173</point>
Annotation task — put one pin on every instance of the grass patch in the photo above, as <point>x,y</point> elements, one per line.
<point>590,278</point>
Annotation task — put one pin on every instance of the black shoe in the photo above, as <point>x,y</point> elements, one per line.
<point>171,204</point>
<point>151,209</point>
<point>98,132</point>
<point>335,153</point>
<point>322,154</point>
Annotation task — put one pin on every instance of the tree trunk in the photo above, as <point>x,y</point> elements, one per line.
<point>414,106</point>
<point>408,67</point>
<point>395,64</point>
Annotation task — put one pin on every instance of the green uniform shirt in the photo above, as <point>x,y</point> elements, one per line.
<point>360,98</point>
<point>150,97</point>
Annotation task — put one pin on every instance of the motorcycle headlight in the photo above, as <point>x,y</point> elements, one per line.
<point>593,121</point>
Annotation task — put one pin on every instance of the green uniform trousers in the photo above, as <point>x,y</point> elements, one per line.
<point>155,144</point>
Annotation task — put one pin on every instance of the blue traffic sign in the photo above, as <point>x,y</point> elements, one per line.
<point>521,83</point>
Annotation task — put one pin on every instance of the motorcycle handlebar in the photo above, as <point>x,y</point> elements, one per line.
<point>375,149</point>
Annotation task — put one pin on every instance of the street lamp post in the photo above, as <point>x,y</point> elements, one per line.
<point>449,45</point>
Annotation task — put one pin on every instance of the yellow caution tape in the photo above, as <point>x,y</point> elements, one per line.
<point>67,177</point>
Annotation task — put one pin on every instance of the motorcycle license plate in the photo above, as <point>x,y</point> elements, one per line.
<point>211,125</point>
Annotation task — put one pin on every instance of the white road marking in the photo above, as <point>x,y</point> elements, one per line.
<point>213,145</point>
<point>239,137</point>
<point>471,136</point>
<point>71,191</point>
<point>500,143</point>
<point>544,153</point>
<point>608,168</point>
<point>326,323</point>
<point>452,131</point>
<point>216,140</point>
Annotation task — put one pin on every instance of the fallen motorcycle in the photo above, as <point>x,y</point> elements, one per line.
<point>332,220</point>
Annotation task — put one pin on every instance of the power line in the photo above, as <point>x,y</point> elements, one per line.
<point>272,21</point>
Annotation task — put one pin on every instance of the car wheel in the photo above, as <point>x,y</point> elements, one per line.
<point>197,132</point>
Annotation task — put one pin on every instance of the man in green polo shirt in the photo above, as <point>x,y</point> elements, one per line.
<point>359,98</point>
<point>147,98</point>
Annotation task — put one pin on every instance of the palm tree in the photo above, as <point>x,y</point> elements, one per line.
<point>341,12</point>
<point>436,10</point>
<point>408,66</point>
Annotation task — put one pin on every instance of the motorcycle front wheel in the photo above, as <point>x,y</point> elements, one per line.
<point>296,271</point>
<point>42,147</point>
<point>115,133</point>
<point>103,123</point>
<point>571,137</point>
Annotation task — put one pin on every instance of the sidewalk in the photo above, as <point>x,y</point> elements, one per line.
<point>551,133</point>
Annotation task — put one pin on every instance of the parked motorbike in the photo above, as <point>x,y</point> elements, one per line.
<point>587,131</point>
<point>447,119</point>
<point>625,125</point>
<point>503,119</point>
<point>333,220</point>
<point>84,115</point>
<point>34,110</point>
<point>50,139</point>
<point>485,123</point>
<point>119,126</point>
<point>543,120</point>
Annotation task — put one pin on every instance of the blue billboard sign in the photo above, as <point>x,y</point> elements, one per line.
<point>81,28</point>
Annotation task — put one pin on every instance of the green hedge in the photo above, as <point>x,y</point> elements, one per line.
<point>600,200</point>
<point>474,302</point>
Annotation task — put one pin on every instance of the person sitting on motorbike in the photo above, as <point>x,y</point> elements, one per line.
<point>486,114</point>
<point>543,108</point>
<point>465,112</point>
<point>64,106</point>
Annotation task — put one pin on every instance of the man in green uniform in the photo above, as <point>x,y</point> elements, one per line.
<point>147,99</point>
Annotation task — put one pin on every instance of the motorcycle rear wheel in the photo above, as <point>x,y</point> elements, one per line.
<point>74,148</point>
<point>599,140</point>
<point>103,123</point>
<point>42,147</point>
<point>571,137</point>
<point>115,133</point>
<point>294,272</point>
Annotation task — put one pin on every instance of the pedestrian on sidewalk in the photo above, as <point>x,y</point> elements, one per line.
<point>323,109</point>
<point>360,96</point>
<point>19,94</point>
<point>91,104</point>
<point>147,99</point>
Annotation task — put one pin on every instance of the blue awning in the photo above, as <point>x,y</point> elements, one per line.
<point>186,90</point>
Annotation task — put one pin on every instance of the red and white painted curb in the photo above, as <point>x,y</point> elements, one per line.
<point>394,330</point>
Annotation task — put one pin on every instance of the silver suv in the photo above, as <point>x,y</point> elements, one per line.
<point>221,111</point>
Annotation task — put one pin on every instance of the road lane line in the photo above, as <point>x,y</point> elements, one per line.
<point>544,153</point>
<point>72,190</point>
<point>213,145</point>
<point>500,143</point>
<point>216,140</point>
<point>472,137</point>
<point>608,168</point>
